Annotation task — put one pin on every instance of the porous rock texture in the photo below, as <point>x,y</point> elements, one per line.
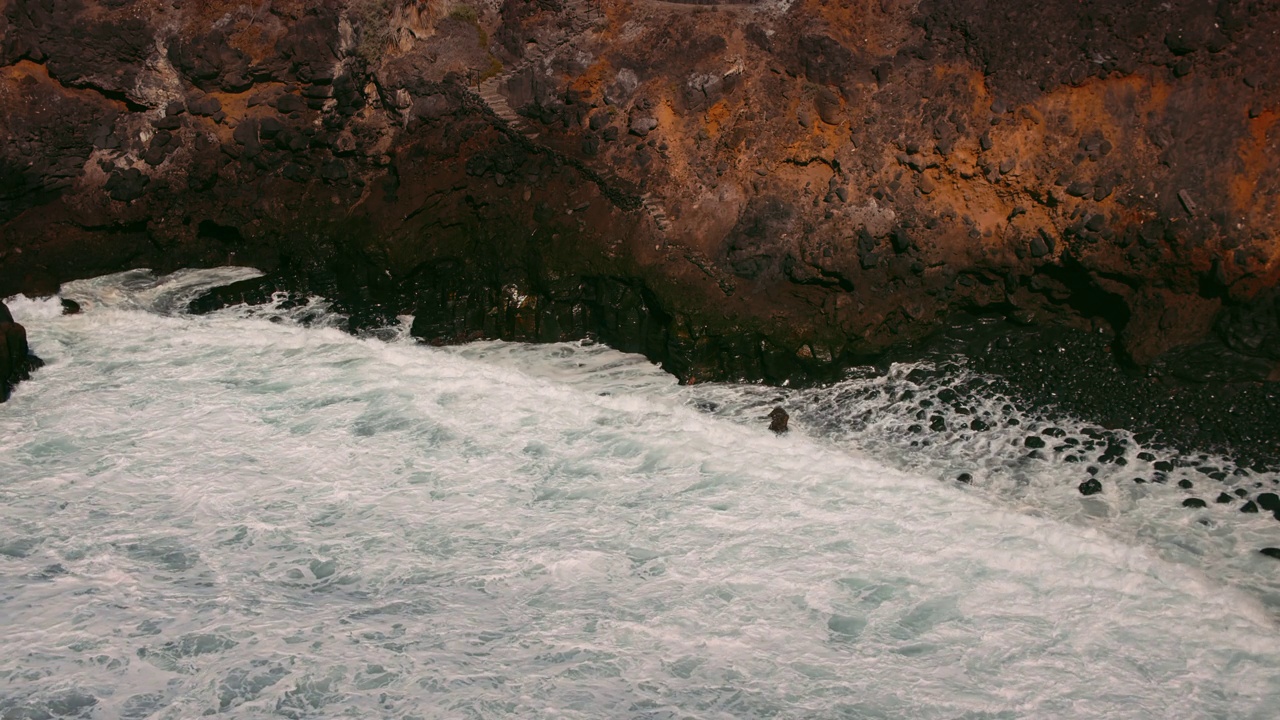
<point>756,190</point>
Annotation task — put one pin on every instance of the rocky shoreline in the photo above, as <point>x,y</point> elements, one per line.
<point>1068,371</point>
<point>770,191</point>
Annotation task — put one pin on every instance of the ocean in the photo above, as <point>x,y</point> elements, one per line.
<point>254,514</point>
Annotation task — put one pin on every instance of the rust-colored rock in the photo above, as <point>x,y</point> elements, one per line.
<point>742,190</point>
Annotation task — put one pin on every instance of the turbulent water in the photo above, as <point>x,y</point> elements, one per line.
<point>244,514</point>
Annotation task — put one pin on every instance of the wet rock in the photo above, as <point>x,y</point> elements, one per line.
<point>16,360</point>
<point>1249,507</point>
<point>1224,498</point>
<point>1185,484</point>
<point>1033,441</point>
<point>1194,503</point>
<point>965,478</point>
<point>778,420</point>
<point>1090,487</point>
<point>70,307</point>
<point>1268,501</point>
<point>1271,552</point>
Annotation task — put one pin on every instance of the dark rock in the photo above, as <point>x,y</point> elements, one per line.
<point>1033,441</point>
<point>778,420</point>
<point>1080,188</point>
<point>1269,501</point>
<point>205,106</point>
<point>288,103</point>
<point>1185,484</point>
<point>1249,507</point>
<point>127,184</point>
<point>1224,498</point>
<point>1271,552</point>
<point>1090,487</point>
<point>1194,503</point>
<point>16,360</point>
<point>70,307</point>
<point>965,478</point>
<point>1038,247</point>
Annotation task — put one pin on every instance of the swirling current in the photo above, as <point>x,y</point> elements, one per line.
<point>254,514</point>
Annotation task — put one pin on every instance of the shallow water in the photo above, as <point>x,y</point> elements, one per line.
<point>226,514</point>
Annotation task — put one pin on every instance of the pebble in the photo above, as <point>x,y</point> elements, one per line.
<point>1090,487</point>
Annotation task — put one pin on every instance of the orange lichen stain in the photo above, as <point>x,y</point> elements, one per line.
<point>1255,158</point>
<point>25,69</point>
<point>595,77</point>
<point>255,40</point>
<point>717,115</point>
<point>25,72</point>
<point>1105,104</point>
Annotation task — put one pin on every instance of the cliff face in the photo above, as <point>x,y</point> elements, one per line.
<point>757,190</point>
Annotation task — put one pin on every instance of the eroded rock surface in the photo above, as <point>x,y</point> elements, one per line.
<point>761,190</point>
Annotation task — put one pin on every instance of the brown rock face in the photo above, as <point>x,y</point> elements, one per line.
<point>762,190</point>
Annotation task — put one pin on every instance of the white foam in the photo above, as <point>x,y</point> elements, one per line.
<point>269,520</point>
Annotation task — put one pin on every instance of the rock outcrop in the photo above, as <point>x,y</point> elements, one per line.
<point>16,360</point>
<point>759,190</point>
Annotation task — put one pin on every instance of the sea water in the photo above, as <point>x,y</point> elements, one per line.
<point>254,514</point>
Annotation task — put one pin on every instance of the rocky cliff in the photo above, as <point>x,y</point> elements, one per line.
<point>761,190</point>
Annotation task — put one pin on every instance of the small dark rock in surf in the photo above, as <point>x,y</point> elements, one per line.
<point>1269,501</point>
<point>70,307</point>
<point>1249,507</point>
<point>1193,503</point>
<point>1090,487</point>
<point>965,478</point>
<point>1271,552</point>
<point>778,420</point>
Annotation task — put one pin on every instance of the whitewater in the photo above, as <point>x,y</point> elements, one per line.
<point>252,513</point>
